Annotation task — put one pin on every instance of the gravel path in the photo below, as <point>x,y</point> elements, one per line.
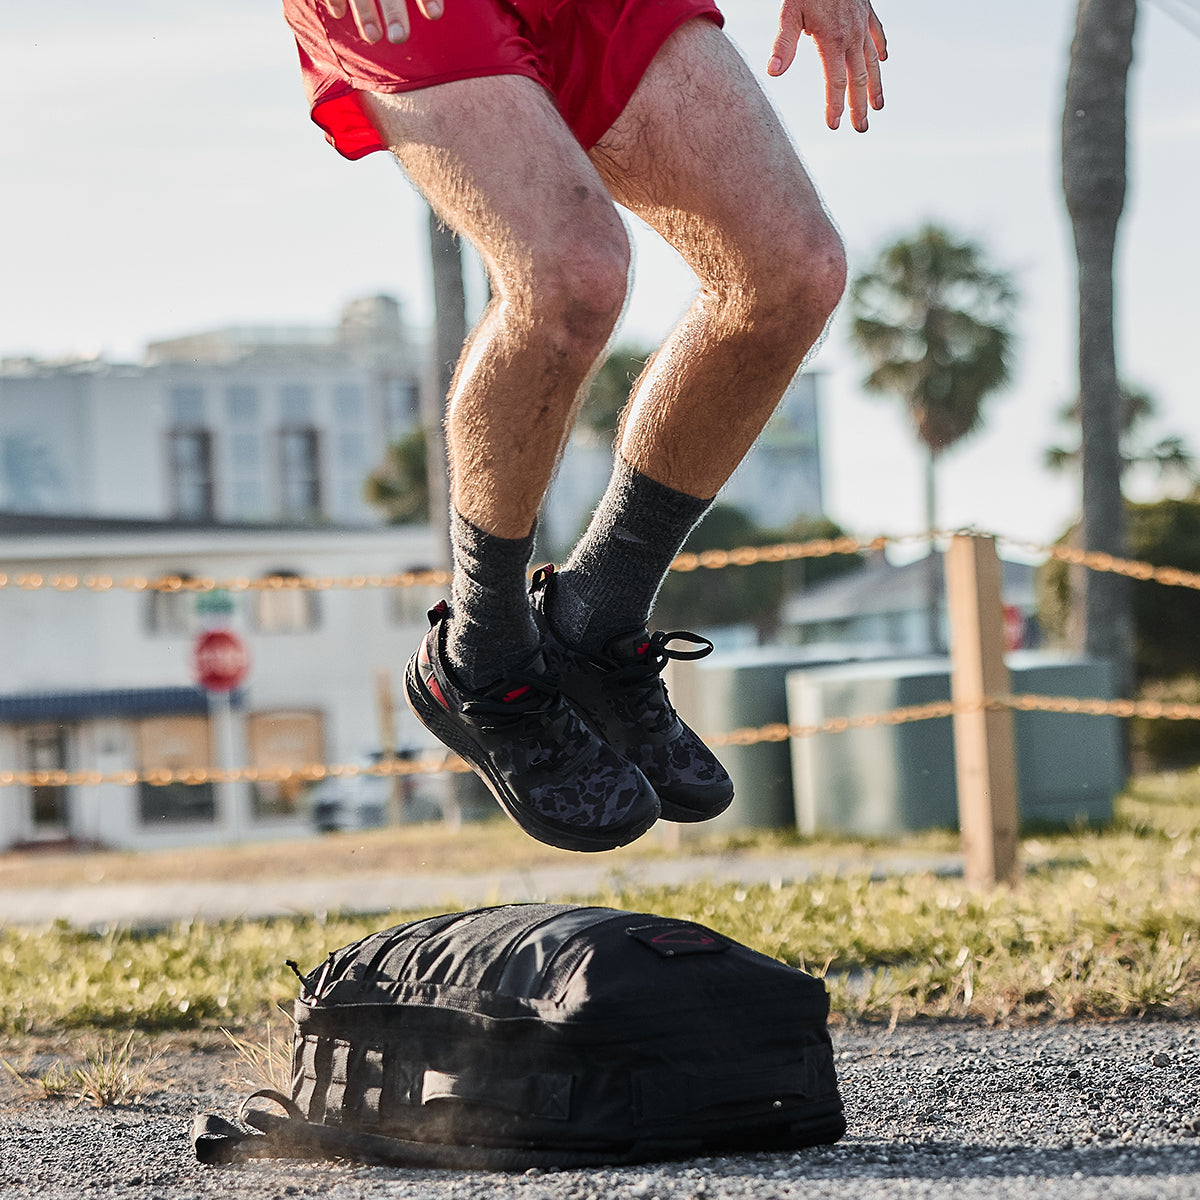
<point>941,1110</point>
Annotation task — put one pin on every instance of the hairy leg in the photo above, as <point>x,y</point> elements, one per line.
<point>496,162</point>
<point>700,155</point>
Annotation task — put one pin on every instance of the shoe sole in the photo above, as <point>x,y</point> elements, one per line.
<point>431,714</point>
<point>688,816</point>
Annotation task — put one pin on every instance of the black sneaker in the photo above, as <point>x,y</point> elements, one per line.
<point>549,772</point>
<point>621,695</point>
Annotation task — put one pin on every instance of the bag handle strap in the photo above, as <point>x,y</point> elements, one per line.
<point>219,1142</point>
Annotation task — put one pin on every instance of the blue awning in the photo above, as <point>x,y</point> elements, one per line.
<point>117,702</point>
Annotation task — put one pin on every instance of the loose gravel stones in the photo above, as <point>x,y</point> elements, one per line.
<point>940,1110</point>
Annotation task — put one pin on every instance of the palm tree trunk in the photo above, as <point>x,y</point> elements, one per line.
<point>466,796</point>
<point>450,333</point>
<point>933,564</point>
<point>1094,172</point>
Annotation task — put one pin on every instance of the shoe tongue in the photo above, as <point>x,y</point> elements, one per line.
<point>628,647</point>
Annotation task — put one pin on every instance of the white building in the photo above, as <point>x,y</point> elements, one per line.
<point>102,680</point>
<point>777,482</point>
<point>236,425</point>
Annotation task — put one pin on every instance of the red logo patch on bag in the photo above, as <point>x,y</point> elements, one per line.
<point>672,941</point>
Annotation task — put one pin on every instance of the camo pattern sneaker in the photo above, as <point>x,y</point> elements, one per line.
<point>549,772</point>
<point>621,695</point>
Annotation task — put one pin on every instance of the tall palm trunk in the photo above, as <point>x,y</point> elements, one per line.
<point>933,564</point>
<point>466,795</point>
<point>450,333</point>
<point>1094,187</point>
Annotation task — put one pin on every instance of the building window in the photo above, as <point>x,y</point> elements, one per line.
<point>411,604</point>
<point>349,402</point>
<point>296,404</point>
<point>241,404</point>
<point>46,750</point>
<point>175,744</point>
<point>187,405</point>
<point>285,608</point>
<point>402,407</point>
<point>247,489</point>
<point>300,473</point>
<point>171,614</point>
<point>190,472</point>
<point>282,741</point>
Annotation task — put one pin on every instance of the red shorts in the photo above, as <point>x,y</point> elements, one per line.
<point>589,54</point>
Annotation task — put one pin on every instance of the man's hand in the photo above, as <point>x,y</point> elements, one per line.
<point>373,17</point>
<point>850,44</point>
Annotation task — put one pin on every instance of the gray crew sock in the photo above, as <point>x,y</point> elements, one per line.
<point>492,631</point>
<point>609,584</point>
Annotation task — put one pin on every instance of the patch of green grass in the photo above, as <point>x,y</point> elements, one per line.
<point>1105,923</point>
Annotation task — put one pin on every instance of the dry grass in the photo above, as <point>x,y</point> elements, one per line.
<point>112,1073</point>
<point>1104,924</point>
<point>407,849</point>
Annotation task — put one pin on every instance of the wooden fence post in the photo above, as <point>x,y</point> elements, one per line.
<point>984,745</point>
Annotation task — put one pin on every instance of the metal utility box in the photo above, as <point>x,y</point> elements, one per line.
<point>736,690</point>
<point>893,779</point>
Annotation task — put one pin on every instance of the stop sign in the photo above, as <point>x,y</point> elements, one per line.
<point>221,660</point>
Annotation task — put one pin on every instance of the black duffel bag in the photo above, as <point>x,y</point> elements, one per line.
<point>547,1035</point>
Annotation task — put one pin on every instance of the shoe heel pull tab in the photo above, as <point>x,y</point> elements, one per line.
<point>438,613</point>
<point>541,577</point>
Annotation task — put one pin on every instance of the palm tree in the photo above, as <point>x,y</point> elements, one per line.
<point>399,487</point>
<point>933,319</point>
<point>1169,456</point>
<point>609,391</point>
<point>1093,167</point>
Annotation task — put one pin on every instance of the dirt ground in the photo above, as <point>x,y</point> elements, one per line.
<point>943,1110</point>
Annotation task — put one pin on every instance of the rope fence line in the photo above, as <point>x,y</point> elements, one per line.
<point>441,763</point>
<point>740,556</point>
<point>706,560</point>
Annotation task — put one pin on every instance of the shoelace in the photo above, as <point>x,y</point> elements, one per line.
<point>638,681</point>
<point>557,737</point>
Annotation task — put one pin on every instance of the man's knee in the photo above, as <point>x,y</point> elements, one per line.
<point>577,296</point>
<point>805,278</point>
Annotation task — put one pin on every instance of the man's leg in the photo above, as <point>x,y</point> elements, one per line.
<point>700,155</point>
<point>497,163</point>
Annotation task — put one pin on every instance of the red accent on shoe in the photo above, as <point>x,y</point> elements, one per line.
<point>642,649</point>
<point>515,694</point>
<point>436,689</point>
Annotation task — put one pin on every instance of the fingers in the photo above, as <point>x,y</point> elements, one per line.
<point>836,82</point>
<point>783,51</point>
<point>391,17</point>
<point>367,19</point>
<point>878,37</point>
<point>865,82</point>
<point>850,43</point>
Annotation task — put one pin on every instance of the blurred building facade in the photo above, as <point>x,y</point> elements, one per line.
<point>234,425</point>
<point>102,679</point>
<point>233,454</point>
<point>777,482</point>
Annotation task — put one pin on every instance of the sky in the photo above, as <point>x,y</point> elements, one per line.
<point>159,176</point>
